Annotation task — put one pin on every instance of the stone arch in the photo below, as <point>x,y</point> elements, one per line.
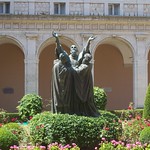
<point>124,46</point>
<point>147,51</point>
<point>63,39</point>
<point>46,55</point>
<point>12,72</point>
<point>113,70</point>
<point>12,40</point>
<point>147,57</point>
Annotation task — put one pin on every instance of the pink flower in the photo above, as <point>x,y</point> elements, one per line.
<point>119,121</point>
<point>129,108</point>
<point>130,116</point>
<point>37,127</point>
<point>42,125</point>
<point>74,145</point>
<point>128,146</point>
<point>138,143</point>
<point>42,147</point>
<point>142,127</point>
<point>148,124</point>
<point>30,117</point>
<point>129,124</point>
<point>67,146</point>
<point>106,128</point>
<point>138,117</point>
<point>13,119</point>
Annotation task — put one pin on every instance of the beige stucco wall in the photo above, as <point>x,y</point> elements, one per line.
<point>11,76</point>
<point>126,39</point>
<point>111,74</point>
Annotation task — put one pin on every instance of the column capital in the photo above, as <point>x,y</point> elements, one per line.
<point>31,61</point>
<point>140,37</point>
<point>32,36</point>
<point>140,60</point>
<point>86,35</point>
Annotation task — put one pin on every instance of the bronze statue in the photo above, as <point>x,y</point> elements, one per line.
<point>72,83</point>
<point>62,80</point>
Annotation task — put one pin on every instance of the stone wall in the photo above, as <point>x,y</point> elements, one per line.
<point>80,7</point>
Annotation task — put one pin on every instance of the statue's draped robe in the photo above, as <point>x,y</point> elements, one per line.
<point>84,99</point>
<point>62,86</point>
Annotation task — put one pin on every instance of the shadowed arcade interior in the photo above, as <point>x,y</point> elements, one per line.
<point>11,76</point>
<point>114,76</point>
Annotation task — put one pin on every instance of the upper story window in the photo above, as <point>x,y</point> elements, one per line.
<point>59,8</point>
<point>4,7</point>
<point>114,9</point>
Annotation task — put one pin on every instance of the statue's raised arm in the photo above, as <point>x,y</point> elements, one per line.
<point>59,48</point>
<point>86,49</point>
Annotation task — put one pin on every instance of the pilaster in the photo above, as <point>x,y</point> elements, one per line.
<point>31,65</point>
<point>140,72</point>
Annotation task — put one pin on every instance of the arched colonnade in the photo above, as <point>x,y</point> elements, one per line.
<point>120,66</point>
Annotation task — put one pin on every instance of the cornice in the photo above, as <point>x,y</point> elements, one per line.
<point>71,17</point>
<point>44,22</point>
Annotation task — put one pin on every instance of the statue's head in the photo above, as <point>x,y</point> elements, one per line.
<point>73,50</point>
<point>87,58</point>
<point>64,58</point>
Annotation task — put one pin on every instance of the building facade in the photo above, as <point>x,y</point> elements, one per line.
<point>120,50</point>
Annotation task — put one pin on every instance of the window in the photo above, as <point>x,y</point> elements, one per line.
<point>114,9</point>
<point>59,8</point>
<point>5,8</point>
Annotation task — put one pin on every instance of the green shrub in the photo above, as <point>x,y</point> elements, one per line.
<point>146,111</point>
<point>145,135</point>
<point>67,129</point>
<point>13,117</point>
<point>3,116</point>
<point>16,129</point>
<point>29,105</point>
<point>132,129</point>
<point>6,117</point>
<point>100,98</point>
<point>7,139</point>
<point>128,114</point>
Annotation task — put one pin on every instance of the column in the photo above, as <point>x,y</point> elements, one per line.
<point>86,7</point>
<point>106,9</point>
<point>12,7</point>
<point>140,72</point>
<point>140,9</point>
<point>32,7</point>
<point>121,9</point>
<point>67,7</point>
<point>31,65</point>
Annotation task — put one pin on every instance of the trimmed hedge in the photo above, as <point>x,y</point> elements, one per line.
<point>127,114</point>
<point>6,117</point>
<point>67,129</point>
<point>7,139</point>
<point>145,135</point>
<point>146,111</point>
<point>100,98</point>
<point>15,128</point>
<point>29,105</point>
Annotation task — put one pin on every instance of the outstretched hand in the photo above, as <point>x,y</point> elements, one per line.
<point>54,34</point>
<point>91,38</point>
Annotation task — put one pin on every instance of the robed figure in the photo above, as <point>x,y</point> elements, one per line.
<point>83,80</point>
<point>72,83</point>
<point>62,80</point>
